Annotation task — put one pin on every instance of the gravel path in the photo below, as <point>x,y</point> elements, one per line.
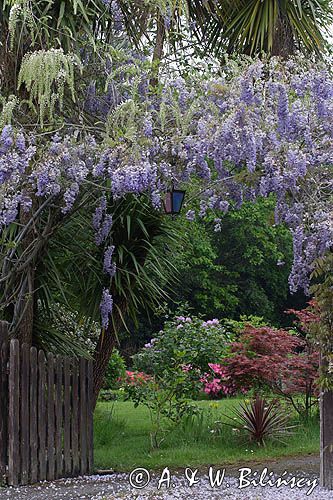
<point>117,486</point>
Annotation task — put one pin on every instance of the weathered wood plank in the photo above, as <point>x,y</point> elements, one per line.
<point>50,418</point>
<point>326,439</point>
<point>59,417</point>
<point>83,416</point>
<point>33,434</point>
<point>25,414</point>
<point>14,462</point>
<point>75,418</point>
<point>42,416</point>
<point>4,351</point>
<point>4,326</point>
<point>67,417</point>
<point>90,440</point>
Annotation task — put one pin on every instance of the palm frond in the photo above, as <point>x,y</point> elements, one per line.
<point>255,25</point>
<point>72,271</point>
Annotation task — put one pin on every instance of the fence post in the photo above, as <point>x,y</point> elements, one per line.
<point>25,414</point>
<point>75,418</point>
<point>41,415</point>
<point>14,463</point>
<point>326,433</point>
<point>67,418</point>
<point>4,328</point>
<point>3,401</point>
<point>59,417</point>
<point>326,439</point>
<point>33,431</point>
<point>83,416</point>
<point>90,398</point>
<point>50,417</point>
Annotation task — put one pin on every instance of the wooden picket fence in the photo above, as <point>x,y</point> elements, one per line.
<point>46,415</point>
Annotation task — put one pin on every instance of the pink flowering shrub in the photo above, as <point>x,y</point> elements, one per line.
<point>134,378</point>
<point>264,357</point>
<point>221,384</point>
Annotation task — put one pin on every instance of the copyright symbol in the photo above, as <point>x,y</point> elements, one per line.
<point>139,478</point>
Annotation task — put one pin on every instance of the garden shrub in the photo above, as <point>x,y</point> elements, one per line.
<point>168,397</point>
<point>134,378</point>
<point>266,358</point>
<point>187,342</point>
<point>111,395</point>
<point>116,370</point>
<point>175,360</point>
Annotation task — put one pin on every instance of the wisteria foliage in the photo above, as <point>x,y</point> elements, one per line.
<point>263,129</point>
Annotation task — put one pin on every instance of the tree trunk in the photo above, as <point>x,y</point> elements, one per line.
<point>158,50</point>
<point>326,436</point>
<point>25,328</point>
<point>283,40</point>
<point>102,354</point>
<point>26,304</point>
<point>105,345</point>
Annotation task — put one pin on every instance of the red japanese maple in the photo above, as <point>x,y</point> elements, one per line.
<point>267,357</point>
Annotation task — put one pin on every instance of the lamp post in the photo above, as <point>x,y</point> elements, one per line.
<point>174,201</point>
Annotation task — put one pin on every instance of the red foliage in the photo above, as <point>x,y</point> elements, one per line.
<point>262,356</point>
<point>308,316</point>
<point>270,357</point>
<point>303,371</point>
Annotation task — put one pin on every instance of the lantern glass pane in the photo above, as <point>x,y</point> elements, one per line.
<point>178,197</point>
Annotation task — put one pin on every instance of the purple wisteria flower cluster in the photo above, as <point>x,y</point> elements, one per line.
<point>106,307</point>
<point>15,157</point>
<point>102,221</point>
<point>117,15</point>
<point>265,129</point>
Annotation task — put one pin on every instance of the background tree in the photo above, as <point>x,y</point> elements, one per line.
<point>241,268</point>
<point>273,27</point>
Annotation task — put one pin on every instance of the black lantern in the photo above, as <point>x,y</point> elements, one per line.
<point>174,201</point>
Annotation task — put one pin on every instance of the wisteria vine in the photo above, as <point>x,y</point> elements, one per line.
<point>263,129</point>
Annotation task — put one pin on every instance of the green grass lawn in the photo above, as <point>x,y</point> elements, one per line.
<point>122,439</point>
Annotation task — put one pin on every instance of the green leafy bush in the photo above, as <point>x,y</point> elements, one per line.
<point>107,395</point>
<point>185,342</point>
<point>237,327</point>
<point>116,370</point>
<point>175,360</point>
<point>168,397</point>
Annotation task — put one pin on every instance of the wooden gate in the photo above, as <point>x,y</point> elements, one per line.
<point>46,415</point>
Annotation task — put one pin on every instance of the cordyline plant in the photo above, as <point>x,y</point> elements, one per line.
<point>73,145</point>
<point>261,420</point>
